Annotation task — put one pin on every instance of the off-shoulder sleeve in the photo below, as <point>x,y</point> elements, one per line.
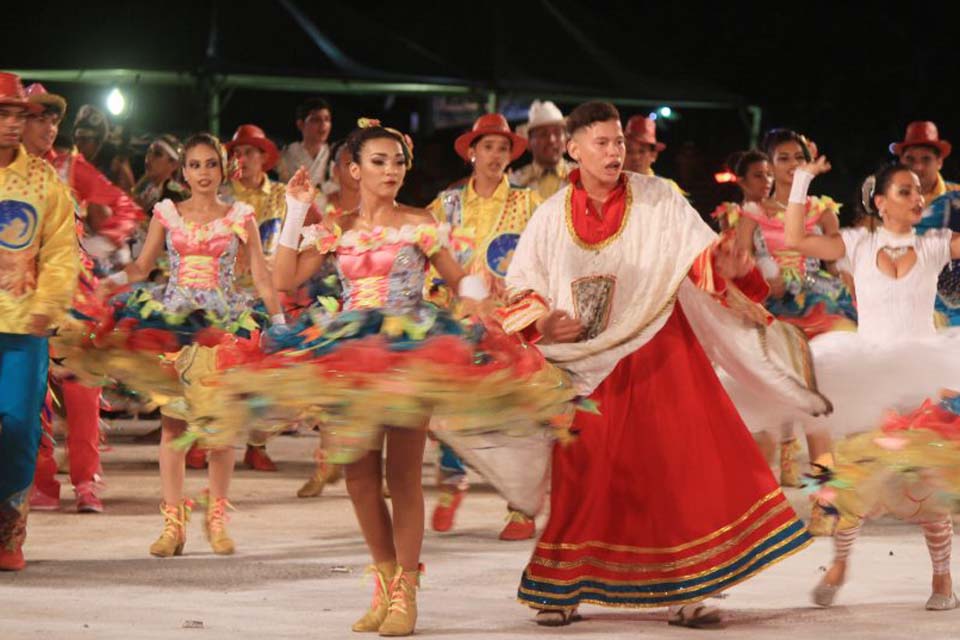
<point>319,237</point>
<point>238,218</point>
<point>166,212</point>
<point>817,206</point>
<point>431,238</point>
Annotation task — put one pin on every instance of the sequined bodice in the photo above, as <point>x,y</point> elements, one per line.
<point>202,261</point>
<point>380,268</point>
<point>201,265</point>
<point>388,277</point>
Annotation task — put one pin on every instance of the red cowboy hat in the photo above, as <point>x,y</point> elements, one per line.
<point>37,94</point>
<point>642,129</point>
<point>12,93</point>
<point>254,136</point>
<point>487,125</point>
<point>922,133</point>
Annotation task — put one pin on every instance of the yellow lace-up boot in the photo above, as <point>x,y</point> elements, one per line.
<point>174,534</point>
<point>789,469</point>
<point>382,573</point>
<point>215,526</point>
<point>402,613</point>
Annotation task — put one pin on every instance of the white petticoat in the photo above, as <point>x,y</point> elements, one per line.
<point>863,379</point>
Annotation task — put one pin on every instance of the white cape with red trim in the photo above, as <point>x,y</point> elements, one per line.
<point>624,290</point>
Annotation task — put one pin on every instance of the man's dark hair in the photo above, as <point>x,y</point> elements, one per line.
<point>310,105</point>
<point>932,147</point>
<point>589,113</point>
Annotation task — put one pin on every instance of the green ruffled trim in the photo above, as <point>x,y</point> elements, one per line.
<point>149,306</point>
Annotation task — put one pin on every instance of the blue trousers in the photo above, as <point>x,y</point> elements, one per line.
<point>23,384</point>
<point>453,473</point>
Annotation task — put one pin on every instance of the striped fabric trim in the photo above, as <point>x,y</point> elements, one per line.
<point>545,593</point>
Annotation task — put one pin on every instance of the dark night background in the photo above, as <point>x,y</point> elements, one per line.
<point>850,77</point>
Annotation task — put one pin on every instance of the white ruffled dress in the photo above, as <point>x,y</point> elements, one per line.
<point>894,361</point>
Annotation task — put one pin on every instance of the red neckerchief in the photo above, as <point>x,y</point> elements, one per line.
<point>593,226</point>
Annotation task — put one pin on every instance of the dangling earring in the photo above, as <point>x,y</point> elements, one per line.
<point>473,159</point>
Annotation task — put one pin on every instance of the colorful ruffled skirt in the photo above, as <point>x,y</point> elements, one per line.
<point>133,340</point>
<point>815,302</point>
<point>909,467</point>
<point>360,371</point>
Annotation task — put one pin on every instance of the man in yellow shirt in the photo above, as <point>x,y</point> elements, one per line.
<point>546,135</point>
<point>492,214</point>
<point>39,264</point>
<point>254,155</point>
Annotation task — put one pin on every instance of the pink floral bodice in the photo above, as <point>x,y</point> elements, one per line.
<point>383,268</point>
<point>202,259</point>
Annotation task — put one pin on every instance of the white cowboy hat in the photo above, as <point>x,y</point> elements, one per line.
<point>541,113</point>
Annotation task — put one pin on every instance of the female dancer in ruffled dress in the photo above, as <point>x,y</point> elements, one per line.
<point>897,358</point>
<point>203,237</point>
<point>802,292</point>
<point>381,251</point>
<point>379,160</point>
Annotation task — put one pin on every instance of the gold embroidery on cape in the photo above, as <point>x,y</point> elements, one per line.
<point>583,244</point>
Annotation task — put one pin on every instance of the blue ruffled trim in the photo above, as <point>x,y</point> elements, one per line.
<point>131,305</point>
<point>321,332</point>
<point>789,307</point>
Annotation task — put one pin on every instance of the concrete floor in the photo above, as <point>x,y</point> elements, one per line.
<point>299,566</point>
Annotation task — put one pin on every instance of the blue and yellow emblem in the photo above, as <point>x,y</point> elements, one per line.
<point>18,224</point>
<point>500,253</point>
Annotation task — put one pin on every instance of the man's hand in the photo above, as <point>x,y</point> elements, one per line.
<point>557,326</point>
<point>777,287</point>
<point>731,262</point>
<point>39,325</point>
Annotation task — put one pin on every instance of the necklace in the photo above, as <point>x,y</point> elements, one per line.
<point>896,245</point>
<point>895,253</point>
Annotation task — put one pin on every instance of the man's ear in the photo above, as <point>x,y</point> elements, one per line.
<point>573,149</point>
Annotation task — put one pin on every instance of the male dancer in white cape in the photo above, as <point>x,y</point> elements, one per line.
<point>663,499</point>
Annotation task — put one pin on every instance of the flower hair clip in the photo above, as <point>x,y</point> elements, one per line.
<point>405,140</point>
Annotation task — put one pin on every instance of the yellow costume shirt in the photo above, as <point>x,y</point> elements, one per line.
<point>544,181</point>
<point>493,225</point>
<point>270,204</point>
<point>39,258</point>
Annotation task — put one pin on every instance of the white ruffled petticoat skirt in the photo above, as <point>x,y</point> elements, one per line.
<point>863,379</point>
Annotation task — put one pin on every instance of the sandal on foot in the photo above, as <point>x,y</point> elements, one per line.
<point>556,617</point>
<point>694,616</point>
<point>940,602</point>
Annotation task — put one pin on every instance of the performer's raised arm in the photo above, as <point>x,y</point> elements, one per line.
<point>825,247</point>
<point>294,265</point>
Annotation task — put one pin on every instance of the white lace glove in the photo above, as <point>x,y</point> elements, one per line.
<point>293,223</point>
<point>97,246</point>
<point>473,287</point>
